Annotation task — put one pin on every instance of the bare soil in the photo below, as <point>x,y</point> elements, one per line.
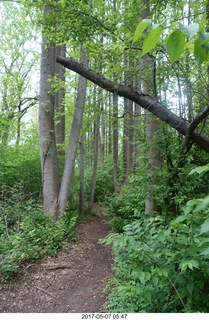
<point>72,282</point>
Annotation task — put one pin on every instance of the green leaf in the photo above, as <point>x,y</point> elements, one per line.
<point>199,52</point>
<point>175,45</point>
<point>205,227</point>
<point>193,250</point>
<point>189,30</point>
<point>188,209</point>
<point>189,264</point>
<point>190,287</point>
<point>205,252</point>
<point>149,22</point>
<point>200,169</point>
<point>151,40</point>
<point>147,295</point>
<point>183,29</point>
<point>147,276</point>
<point>193,264</point>
<point>181,218</point>
<point>202,205</point>
<point>204,38</point>
<point>167,232</point>
<point>155,280</point>
<point>139,30</point>
<point>193,28</point>
<point>166,272</point>
<point>141,276</point>
<point>161,236</point>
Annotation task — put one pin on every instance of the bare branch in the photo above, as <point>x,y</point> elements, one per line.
<point>145,101</point>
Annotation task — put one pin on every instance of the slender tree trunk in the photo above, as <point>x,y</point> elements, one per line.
<point>126,155</point>
<point>96,149</point>
<point>115,142</point>
<point>128,128</point>
<point>152,125</point>
<point>102,136</point>
<point>81,197</point>
<point>74,139</point>
<point>109,132</point>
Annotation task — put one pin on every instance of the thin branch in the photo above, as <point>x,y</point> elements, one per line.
<point>36,294</point>
<point>47,292</point>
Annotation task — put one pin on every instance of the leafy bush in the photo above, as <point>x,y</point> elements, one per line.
<point>124,208</point>
<point>162,268</point>
<point>23,166</point>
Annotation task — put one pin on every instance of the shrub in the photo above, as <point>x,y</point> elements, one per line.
<point>124,208</point>
<point>160,267</point>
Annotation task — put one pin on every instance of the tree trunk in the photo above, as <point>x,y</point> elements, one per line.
<point>102,135</point>
<point>128,127</point>
<point>73,143</point>
<point>96,149</point>
<point>115,142</point>
<point>152,124</point>
<point>59,108</point>
<point>81,197</point>
<point>145,101</point>
<point>49,162</point>
<point>59,103</point>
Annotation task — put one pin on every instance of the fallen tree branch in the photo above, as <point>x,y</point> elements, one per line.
<point>144,100</point>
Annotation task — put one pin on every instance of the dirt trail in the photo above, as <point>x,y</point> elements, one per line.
<point>71,282</point>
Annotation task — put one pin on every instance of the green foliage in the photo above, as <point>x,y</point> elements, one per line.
<point>104,183</point>
<point>26,234</point>
<point>151,40</point>
<point>20,167</point>
<point>124,208</point>
<point>159,267</point>
<point>175,44</point>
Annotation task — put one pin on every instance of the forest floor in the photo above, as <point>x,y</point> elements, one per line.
<point>72,282</point>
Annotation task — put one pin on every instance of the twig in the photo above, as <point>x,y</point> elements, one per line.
<point>67,309</point>
<point>41,289</point>
<point>51,282</point>
<point>37,296</point>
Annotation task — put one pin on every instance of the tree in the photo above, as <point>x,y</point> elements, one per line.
<point>18,61</point>
<point>145,101</point>
<point>73,142</point>
<point>49,160</point>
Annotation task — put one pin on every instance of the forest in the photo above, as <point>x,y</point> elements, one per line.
<point>107,102</point>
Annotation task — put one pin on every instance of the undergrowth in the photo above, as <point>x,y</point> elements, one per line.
<point>161,265</point>
<point>26,234</point>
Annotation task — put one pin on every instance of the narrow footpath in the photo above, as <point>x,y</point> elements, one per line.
<point>72,282</point>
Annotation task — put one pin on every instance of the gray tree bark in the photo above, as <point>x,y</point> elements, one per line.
<point>96,149</point>
<point>115,142</point>
<point>145,101</point>
<point>73,143</point>
<point>82,191</point>
<point>49,162</point>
